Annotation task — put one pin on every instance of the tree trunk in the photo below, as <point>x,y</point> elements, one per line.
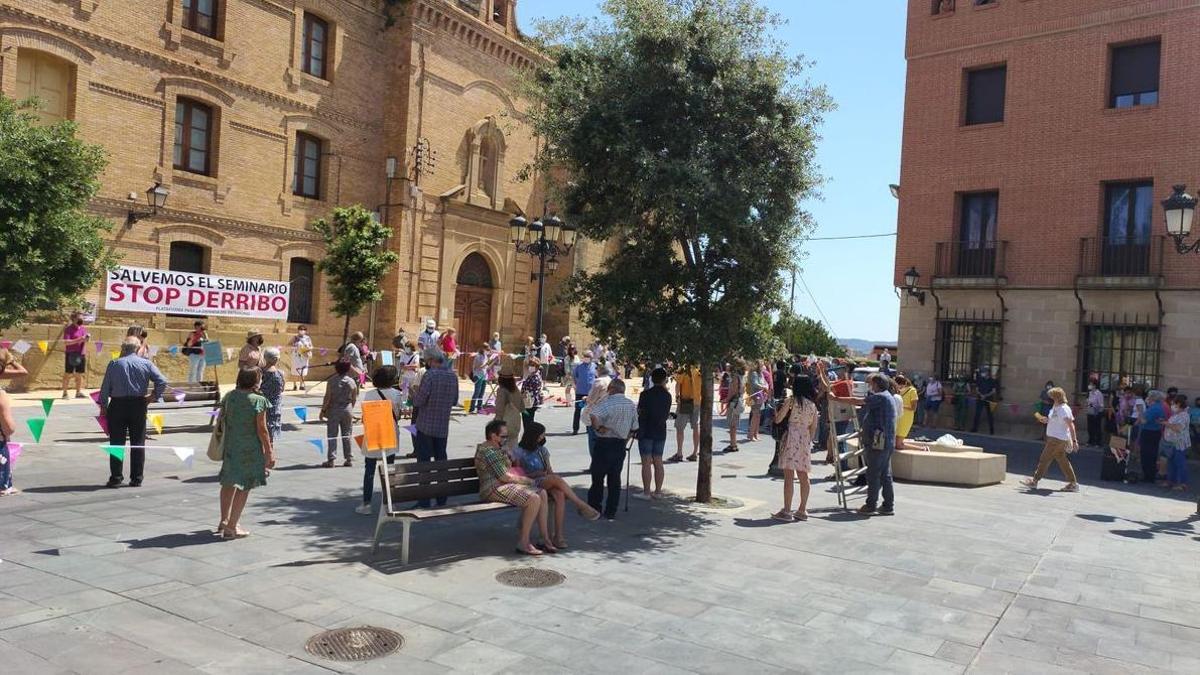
<point>704,471</point>
<point>346,330</point>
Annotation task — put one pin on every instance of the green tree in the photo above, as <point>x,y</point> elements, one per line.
<point>687,138</point>
<point>355,261</point>
<point>51,250</point>
<point>803,335</point>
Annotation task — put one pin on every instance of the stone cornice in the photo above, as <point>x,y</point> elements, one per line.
<point>176,66</point>
<point>443,16</point>
<point>109,205</point>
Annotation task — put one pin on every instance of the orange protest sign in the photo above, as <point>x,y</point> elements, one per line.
<point>378,425</point>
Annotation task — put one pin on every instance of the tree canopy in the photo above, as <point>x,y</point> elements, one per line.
<point>52,250</point>
<point>686,135</point>
<point>804,335</point>
<point>356,260</point>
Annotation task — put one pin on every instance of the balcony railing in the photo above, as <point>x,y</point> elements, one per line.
<point>970,259</point>
<point>1121,256</point>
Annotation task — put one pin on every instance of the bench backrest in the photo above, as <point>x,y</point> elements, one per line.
<point>196,391</point>
<point>412,481</point>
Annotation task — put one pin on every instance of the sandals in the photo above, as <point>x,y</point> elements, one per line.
<point>239,533</point>
<point>692,458</point>
<point>800,515</point>
<point>530,550</point>
<point>560,544</point>
<point>783,516</point>
<point>588,513</point>
<point>327,465</point>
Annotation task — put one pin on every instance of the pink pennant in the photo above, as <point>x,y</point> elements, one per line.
<point>488,410</point>
<point>180,395</point>
<point>5,344</point>
<point>324,351</point>
<point>103,422</point>
<point>14,451</point>
<point>412,429</point>
<point>99,346</point>
<point>95,397</point>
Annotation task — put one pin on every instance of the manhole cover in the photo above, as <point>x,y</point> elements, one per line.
<point>354,644</point>
<point>530,577</point>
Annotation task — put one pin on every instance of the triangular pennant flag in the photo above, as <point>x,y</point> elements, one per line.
<point>319,445</point>
<point>47,404</point>
<point>44,346</point>
<point>360,439</point>
<point>21,346</point>
<point>14,451</point>
<point>36,425</point>
<point>117,451</point>
<point>115,355</point>
<point>179,394</point>
<point>214,413</point>
<point>301,412</point>
<point>154,351</point>
<point>324,351</point>
<point>173,350</point>
<point>157,420</point>
<point>184,454</point>
<point>5,344</point>
<point>95,397</point>
<point>466,404</point>
<point>99,345</point>
<point>103,422</point>
<point>412,429</point>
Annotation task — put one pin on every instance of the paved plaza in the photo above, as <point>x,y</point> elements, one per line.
<point>992,579</point>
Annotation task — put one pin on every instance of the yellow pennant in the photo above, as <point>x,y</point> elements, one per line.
<point>44,346</point>
<point>115,355</point>
<point>157,420</point>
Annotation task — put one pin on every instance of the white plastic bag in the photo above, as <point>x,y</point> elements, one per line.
<point>948,440</point>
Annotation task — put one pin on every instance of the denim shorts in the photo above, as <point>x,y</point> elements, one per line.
<point>654,448</point>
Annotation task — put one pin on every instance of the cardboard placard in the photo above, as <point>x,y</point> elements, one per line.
<point>379,426</point>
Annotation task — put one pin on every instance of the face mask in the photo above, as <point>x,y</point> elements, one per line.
<point>78,322</point>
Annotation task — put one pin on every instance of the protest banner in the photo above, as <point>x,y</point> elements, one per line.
<point>138,289</point>
<point>379,426</point>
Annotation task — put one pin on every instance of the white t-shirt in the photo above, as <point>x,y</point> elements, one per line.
<point>1056,424</point>
<point>898,404</point>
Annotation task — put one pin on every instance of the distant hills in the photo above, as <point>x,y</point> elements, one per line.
<point>865,346</point>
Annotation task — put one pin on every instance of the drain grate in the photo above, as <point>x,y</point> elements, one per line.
<point>354,644</point>
<point>530,577</point>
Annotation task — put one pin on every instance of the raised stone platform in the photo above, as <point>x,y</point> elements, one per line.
<point>964,465</point>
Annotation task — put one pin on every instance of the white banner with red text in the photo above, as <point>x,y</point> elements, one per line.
<point>137,289</point>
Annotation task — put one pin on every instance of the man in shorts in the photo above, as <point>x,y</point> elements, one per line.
<point>75,338</point>
<point>687,393</point>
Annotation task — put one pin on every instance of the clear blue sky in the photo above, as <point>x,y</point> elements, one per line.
<point>859,57</point>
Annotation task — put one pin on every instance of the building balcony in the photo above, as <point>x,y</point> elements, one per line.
<point>966,264</point>
<point>1120,262</point>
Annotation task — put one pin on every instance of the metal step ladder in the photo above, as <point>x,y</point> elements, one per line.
<point>853,456</point>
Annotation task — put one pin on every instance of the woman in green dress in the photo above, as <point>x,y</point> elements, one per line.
<point>248,454</point>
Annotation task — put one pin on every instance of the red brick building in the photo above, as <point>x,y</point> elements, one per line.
<point>1039,140</point>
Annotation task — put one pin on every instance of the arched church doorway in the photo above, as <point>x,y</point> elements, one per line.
<point>472,309</point>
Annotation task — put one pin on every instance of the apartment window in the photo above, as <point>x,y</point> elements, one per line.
<point>1116,352</point>
<point>193,136</point>
<point>300,274</point>
<point>967,346</point>
<point>500,11</point>
<point>307,179</point>
<point>1128,209</point>
<point>50,80</point>
<point>942,7</point>
<point>316,46</point>
<point>1134,75</point>
<point>200,16</point>
<point>985,95</point>
<point>977,234</point>
<point>187,257</point>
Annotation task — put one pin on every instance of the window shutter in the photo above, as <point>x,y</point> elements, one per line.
<point>985,95</point>
<point>1135,69</point>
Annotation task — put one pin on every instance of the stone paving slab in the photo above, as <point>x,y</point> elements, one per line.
<point>992,579</point>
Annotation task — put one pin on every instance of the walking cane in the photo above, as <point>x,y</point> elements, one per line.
<point>628,470</point>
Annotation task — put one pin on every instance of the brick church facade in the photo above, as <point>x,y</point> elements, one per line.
<point>260,116</point>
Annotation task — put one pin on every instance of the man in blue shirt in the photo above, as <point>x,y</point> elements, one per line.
<point>585,376</point>
<point>123,401</point>
<point>434,399</point>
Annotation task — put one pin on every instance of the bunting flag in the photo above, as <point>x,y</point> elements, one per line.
<point>179,394</point>
<point>173,350</point>
<point>21,346</point>
<point>115,355</point>
<point>360,439</point>
<point>324,351</point>
<point>301,412</point>
<point>103,422</point>
<point>36,425</point>
<point>117,451</point>
<point>214,413</point>
<point>319,444</point>
<point>5,344</point>
<point>412,429</point>
<point>44,346</point>
<point>466,404</point>
<point>488,410</point>
<point>95,396</point>
<point>47,404</point>
<point>14,451</point>
<point>154,351</point>
<point>99,346</point>
<point>229,353</point>
<point>185,455</point>
<point>157,420</point>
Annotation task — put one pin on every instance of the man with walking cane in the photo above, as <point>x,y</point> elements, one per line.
<point>615,421</point>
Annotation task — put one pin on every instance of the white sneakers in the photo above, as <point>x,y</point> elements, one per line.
<point>642,496</point>
<point>363,509</point>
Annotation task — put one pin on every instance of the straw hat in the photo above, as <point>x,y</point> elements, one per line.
<point>506,370</point>
<point>253,333</point>
<point>533,361</point>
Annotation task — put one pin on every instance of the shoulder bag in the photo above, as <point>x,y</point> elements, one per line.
<point>216,442</point>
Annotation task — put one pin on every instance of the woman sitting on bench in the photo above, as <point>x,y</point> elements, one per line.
<point>534,460</point>
<point>499,483</point>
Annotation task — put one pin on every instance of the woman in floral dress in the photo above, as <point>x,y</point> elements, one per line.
<point>532,387</point>
<point>272,389</point>
<point>795,451</point>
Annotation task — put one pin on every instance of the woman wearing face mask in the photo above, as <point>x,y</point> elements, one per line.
<point>302,346</point>
<point>193,346</point>
<point>532,387</point>
<point>1095,416</point>
<point>251,355</point>
<point>409,364</point>
<point>533,458</point>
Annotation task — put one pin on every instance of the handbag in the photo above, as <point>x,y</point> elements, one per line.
<point>779,429</point>
<point>216,442</point>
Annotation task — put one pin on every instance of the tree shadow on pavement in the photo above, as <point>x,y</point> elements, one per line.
<point>331,526</point>
<point>1146,529</point>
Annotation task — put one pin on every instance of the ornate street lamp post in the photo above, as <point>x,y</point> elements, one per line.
<point>545,241</point>
<point>1178,210</point>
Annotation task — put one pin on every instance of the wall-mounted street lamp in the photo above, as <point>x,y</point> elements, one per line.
<point>911,277</point>
<point>1178,210</point>
<point>156,197</point>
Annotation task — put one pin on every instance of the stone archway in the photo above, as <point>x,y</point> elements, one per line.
<point>472,308</point>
